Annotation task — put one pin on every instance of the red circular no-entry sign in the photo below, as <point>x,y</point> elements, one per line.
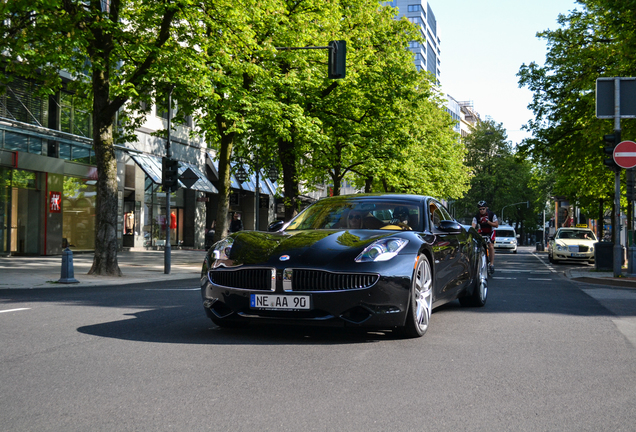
<point>625,154</point>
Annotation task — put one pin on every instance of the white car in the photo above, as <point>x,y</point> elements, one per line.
<point>572,244</point>
<point>506,238</point>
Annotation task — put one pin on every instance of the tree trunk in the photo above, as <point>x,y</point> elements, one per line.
<point>337,181</point>
<point>368,185</point>
<point>106,208</point>
<point>225,153</point>
<point>290,177</point>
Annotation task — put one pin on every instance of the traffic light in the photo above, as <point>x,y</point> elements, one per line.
<point>611,141</point>
<point>337,59</point>
<point>170,174</point>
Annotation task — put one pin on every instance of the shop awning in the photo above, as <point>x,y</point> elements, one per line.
<point>267,187</point>
<point>203,184</point>
<point>151,165</point>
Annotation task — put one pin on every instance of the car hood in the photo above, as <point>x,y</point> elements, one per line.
<point>304,248</point>
<point>572,242</point>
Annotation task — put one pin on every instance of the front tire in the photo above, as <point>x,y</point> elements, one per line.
<point>479,293</point>
<point>421,304</point>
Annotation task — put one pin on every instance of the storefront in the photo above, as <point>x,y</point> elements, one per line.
<point>186,220</point>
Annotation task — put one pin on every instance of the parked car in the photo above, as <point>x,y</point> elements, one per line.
<point>368,260</point>
<point>572,244</point>
<point>505,238</point>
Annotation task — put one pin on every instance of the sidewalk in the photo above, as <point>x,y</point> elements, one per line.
<point>591,276</point>
<point>601,278</point>
<point>137,267</point>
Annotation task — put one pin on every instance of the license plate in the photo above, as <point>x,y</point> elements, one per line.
<point>280,302</point>
<point>578,255</point>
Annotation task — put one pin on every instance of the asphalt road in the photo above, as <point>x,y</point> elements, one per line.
<point>545,354</point>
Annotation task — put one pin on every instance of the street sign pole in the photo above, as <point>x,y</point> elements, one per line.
<point>618,251</point>
<point>616,98</point>
<point>167,251</point>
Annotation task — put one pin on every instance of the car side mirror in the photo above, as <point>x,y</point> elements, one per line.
<point>275,226</point>
<point>450,226</point>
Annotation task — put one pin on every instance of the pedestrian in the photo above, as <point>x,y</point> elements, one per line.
<point>209,235</point>
<point>237,224</point>
<point>487,221</point>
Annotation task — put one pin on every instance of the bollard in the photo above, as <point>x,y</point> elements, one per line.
<point>68,275</point>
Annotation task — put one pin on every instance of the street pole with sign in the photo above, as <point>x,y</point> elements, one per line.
<point>616,98</point>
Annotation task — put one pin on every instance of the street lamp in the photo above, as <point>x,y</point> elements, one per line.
<point>527,203</point>
<point>240,173</point>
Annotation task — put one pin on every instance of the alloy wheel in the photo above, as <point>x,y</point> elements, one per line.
<point>423,294</point>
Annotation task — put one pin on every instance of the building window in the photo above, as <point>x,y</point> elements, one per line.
<point>414,8</point>
<point>20,142</point>
<point>75,115</point>
<point>416,20</point>
<point>77,153</point>
<point>78,214</point>
<point>19,102</point>
<point>14,141</point>
<point>414,45</point>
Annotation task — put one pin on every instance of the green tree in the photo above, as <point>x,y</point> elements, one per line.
<point>596,41</point>
<point>502,178</point>
<point>119,51</point>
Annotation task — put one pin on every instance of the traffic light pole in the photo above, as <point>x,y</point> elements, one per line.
<point>167,252</point>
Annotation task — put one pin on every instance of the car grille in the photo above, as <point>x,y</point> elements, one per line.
<point>578,248</point>
<point>318,280</point>
<point>263,279</point>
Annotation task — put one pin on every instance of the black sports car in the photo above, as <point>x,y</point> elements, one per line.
<point>379,261</point>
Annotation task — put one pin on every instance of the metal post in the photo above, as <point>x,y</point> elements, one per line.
<point>257,196</point>
<point>618,255</point>
<point>543,230</point>
<point>167,252</point>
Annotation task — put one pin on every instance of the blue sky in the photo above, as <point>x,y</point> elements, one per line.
<point>484,43</point>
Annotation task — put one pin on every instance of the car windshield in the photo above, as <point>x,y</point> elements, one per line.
<point>576,235</point>
<point>348,213</point>
<point>504,233</point>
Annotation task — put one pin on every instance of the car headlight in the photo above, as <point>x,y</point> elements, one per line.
<point>222,249</point>
<point>382,250</point>
<point>561,248</point>
<point>591,248</point>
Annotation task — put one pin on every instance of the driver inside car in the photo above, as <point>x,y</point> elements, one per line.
<point>400,217</point>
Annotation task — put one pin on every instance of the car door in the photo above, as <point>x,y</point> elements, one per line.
<point>450,264</point>
<point>461,264</point>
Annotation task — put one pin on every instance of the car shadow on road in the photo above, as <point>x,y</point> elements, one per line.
<point>192,327</point>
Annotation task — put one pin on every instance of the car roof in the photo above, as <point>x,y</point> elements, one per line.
<point>389,196</point>
<point>509,227</point>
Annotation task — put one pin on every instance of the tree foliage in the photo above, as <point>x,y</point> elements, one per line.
<point>596,41</point>
<point>383,125</point>
<point>501,177</point>
<point>116,51</point>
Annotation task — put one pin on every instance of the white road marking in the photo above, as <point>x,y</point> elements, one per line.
<point>14,310</point>
<point>505,270</point>
<point>543,279</point>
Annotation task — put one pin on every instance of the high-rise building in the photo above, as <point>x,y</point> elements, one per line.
<point>426,55</point>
